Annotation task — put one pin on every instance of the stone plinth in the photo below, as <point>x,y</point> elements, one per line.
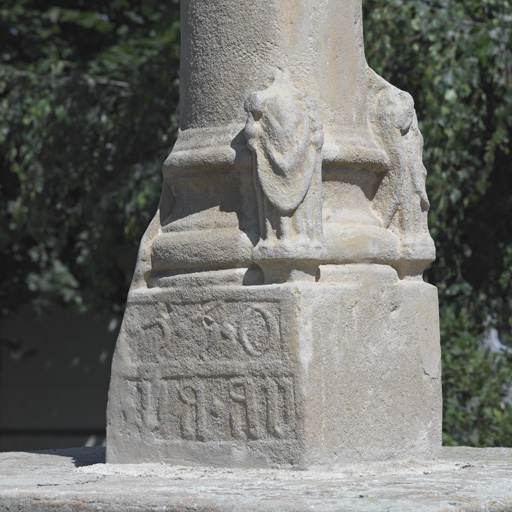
<point>277,315</point>
<point>270,375</point>
<point>462,479</point>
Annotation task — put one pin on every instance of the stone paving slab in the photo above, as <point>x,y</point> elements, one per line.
<point>77,479</point>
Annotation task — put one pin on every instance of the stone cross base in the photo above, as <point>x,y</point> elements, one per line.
<point>277,316</point>
<point>462,479</point>
<point>288,375</point>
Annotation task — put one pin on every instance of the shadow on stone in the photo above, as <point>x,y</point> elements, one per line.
<point>82,456</point>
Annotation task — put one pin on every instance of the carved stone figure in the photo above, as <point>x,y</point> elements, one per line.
<point>401,200</point>
<point>285,134</point>
<point>277,315</point>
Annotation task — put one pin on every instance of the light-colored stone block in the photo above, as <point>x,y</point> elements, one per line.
<point>301,374</point>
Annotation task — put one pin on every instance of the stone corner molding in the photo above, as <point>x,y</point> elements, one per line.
<point>285,135</point>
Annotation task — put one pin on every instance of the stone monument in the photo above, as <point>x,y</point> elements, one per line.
<point>278,316</point>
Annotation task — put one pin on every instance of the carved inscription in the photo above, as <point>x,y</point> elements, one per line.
<point>213,331</point>
<point>217,409</point>
<point>212,371</point>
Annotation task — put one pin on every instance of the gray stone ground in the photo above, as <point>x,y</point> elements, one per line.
<point>77,479</point>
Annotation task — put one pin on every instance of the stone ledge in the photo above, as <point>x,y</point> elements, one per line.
<point>77,479</point>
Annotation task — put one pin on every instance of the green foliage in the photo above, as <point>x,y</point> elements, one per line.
<point>88,112</point>
<point>455,59</point>
<point>88,101</point>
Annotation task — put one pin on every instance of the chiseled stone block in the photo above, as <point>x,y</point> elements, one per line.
<point>292,374</point>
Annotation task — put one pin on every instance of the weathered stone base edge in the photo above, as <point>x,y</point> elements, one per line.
<point>463,479</point>
<point>256,454</point>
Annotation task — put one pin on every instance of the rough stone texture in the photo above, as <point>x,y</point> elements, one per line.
<point>270,375</point>
<point>463,479</point>
<point>277,315</point>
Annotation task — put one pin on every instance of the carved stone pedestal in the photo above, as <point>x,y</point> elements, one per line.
<point>297,374</point>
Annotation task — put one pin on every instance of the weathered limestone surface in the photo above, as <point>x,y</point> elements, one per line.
<point>271,375</point>
<point>463,479</point>
<point>277,315</point>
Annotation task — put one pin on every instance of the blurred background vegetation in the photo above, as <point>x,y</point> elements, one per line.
<point>89,111</point>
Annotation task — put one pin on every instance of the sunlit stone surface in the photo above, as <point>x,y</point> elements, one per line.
<point>277,315</point>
